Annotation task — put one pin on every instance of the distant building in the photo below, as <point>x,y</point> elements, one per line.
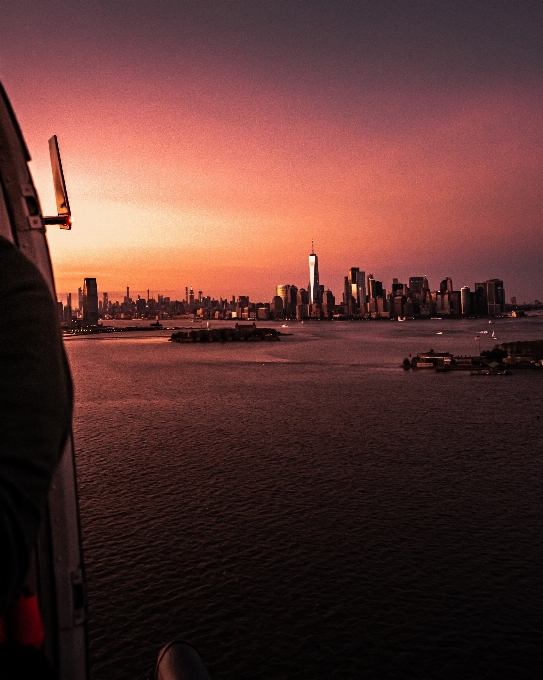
<point>303,297</point>
<point>328,304</point>
<point>302,311</point>
<point>90,302</point>
<point>465,300</point>
<point>282,291</point>
<point>355,291</point>
<point>349,292</point>
<point>361,296</point>
<point>289,295</point>
<point>276,307</point>
<point>416,284</point>
<point>455,302</point>
<point>141,307</point>
<point>446,285</point>
<point>398,288</point>
<point>68,309</point>
<point>495,296</point>
<point>314,287</point>
<point>352,275</point>
<point>375,288</point>
<point>479,305</point>
<point>399,302</point>
<point>443,303</point>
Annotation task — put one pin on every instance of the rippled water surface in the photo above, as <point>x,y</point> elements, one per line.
<point>306,509</point>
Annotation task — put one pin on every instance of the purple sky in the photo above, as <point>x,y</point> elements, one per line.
<point>207,143</point>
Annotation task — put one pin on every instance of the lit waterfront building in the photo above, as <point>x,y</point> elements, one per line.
<point>314,288</point>
<point>351,289</point>
<point>282,291</point>
<point>289,294</point>
<point>361,289</point>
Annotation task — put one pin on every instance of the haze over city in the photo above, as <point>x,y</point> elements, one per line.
<point>208,143</point>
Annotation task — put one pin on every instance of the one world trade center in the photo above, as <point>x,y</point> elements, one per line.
<point>314,289</point>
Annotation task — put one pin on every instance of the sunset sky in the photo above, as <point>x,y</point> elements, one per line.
<point>207,143</point>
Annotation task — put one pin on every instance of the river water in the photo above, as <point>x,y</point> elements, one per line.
<point>307,509</point>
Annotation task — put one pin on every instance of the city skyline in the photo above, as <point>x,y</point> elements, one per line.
<point>355,278</point>
<point>210,142</point>
<point>363,298</point>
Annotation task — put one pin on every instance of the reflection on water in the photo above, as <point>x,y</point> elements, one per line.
<point>306,509</point>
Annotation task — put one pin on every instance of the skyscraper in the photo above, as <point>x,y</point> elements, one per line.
<point>288,293</point>
<point>68,309</point>
<point>446,285</point>
<point>375,288</point>
<point>283,292</point>
<point>314,290</point>
<point>352,275</point>
<point>361,290</point>
<point>416,284</point>
<point>495,296</point>
<point>465,299</point>
<point>90,302</point>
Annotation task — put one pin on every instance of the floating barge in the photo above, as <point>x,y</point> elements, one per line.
<point>240,333</point>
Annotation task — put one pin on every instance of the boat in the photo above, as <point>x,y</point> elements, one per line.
<point>439,333</point>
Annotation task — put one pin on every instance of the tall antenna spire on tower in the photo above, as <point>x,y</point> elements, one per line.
<point>312,248</point>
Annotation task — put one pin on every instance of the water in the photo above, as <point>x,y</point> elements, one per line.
<point>306,509</point>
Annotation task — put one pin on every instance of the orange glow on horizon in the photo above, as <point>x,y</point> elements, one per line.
<point>172,192</point>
